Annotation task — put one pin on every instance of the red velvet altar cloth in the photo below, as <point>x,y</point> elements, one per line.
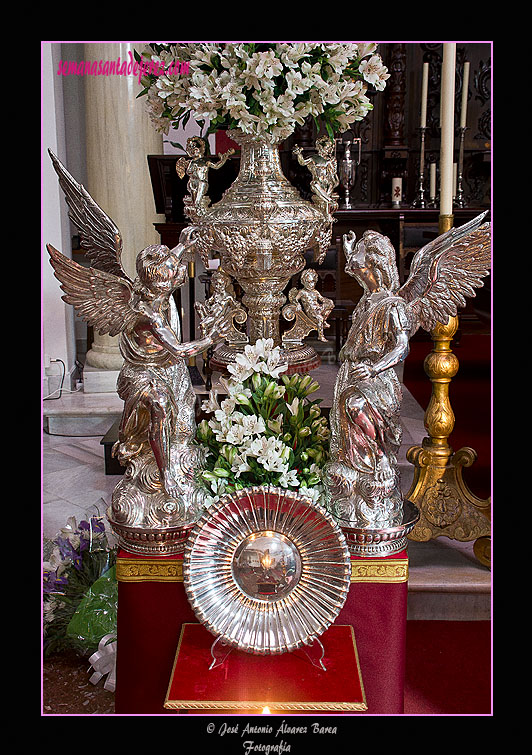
<point>152,607</point>
<point>245,683</point>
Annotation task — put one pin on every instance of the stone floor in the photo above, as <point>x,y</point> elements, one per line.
<point>445,579</point>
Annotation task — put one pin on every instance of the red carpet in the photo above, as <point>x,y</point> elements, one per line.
<point>448,668</point>
<point>470,397</point>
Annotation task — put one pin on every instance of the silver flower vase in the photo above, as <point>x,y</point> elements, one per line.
<point>262,227</point>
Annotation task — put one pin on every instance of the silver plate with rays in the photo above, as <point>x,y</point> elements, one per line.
<point>266,570</point>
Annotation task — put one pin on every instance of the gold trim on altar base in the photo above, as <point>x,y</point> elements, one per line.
<point>148,570</point>
<point>161,570</point>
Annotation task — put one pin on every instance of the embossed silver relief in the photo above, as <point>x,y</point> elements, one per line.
<point>157,496</point>
<point>362,476</point>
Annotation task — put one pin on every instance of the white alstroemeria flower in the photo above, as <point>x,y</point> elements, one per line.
<point>366,48</point>
<point>374,72</point>
<point>267,64</point>
<point>236,434</point>
<point>154,105</point>
<point>56,563</point>
<point>253,425</point>
<point>240,464</point>
<point>70,527</point>
<point>276,425</point>
<point>273,365</point>
<point>301,112</point>
<point>269,453</point>
<point>314,493</point>
<point>211,404</point>
<point>69,532</point>
<point>231,387</point>
<point>220,428</point>
<point>289,479</point>
<point>293,407</point>
<point>314,469</point>
<point>296,83</point>
<point>291,54</point>
<point>218,487</point>
<point>240,371</point>
<point>225,410</point>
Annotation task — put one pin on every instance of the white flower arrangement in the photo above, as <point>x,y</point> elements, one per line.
<point>267,430</point>
<point>264,89</point>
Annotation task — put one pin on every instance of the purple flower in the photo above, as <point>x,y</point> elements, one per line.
<point>96,524</point>
<point>53,583</point>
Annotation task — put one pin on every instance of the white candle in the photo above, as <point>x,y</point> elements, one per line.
<point>397,190</point>
<point>432,180</point>
<point>424,92</point>
<point>447,128</point>
<point>465,84</point>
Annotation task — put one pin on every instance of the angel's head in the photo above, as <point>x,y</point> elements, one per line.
<point>372,262</point>
<point>160,271</point>
<point>309,278</point>
<point>195,146</point>
<point>220,281</point>
<point>325,146</point>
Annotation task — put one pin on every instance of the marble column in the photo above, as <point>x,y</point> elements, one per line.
<point>119,138</point>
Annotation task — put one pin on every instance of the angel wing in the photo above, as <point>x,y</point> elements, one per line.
<point>181,167</point>
<point>101,298</point>
<point>101,239</point>
<point>446,271</point>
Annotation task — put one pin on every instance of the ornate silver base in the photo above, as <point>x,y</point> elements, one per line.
<point>167,542</point>
<point>374,543</point>
<point>300,358</point>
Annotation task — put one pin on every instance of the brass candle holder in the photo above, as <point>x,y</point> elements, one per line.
<point>447,506</point>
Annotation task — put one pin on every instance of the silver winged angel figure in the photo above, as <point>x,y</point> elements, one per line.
<point>362,477</point>
<point>157,428</point>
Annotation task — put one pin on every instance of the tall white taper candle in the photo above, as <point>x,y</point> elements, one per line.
<point>432,193</point>
<point>424,92</point>
<point>447,128</point>
<point>465,84</point>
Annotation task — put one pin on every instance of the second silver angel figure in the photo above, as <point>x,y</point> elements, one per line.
<point>362,477</point>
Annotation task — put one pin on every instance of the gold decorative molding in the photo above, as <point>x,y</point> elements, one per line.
<point>447,506</point>
<point>171,570</point>
<point>379,570</point>
<point>149,570</point>
<point>254,705</point>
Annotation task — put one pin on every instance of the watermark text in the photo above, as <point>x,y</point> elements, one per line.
<point>120,67</point>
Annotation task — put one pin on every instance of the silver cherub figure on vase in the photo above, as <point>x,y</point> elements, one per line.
<point>309,308</point>
<point>361,478</point>
<point>197,168</point>
<point>158,497</point>
<point>324,171</point>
